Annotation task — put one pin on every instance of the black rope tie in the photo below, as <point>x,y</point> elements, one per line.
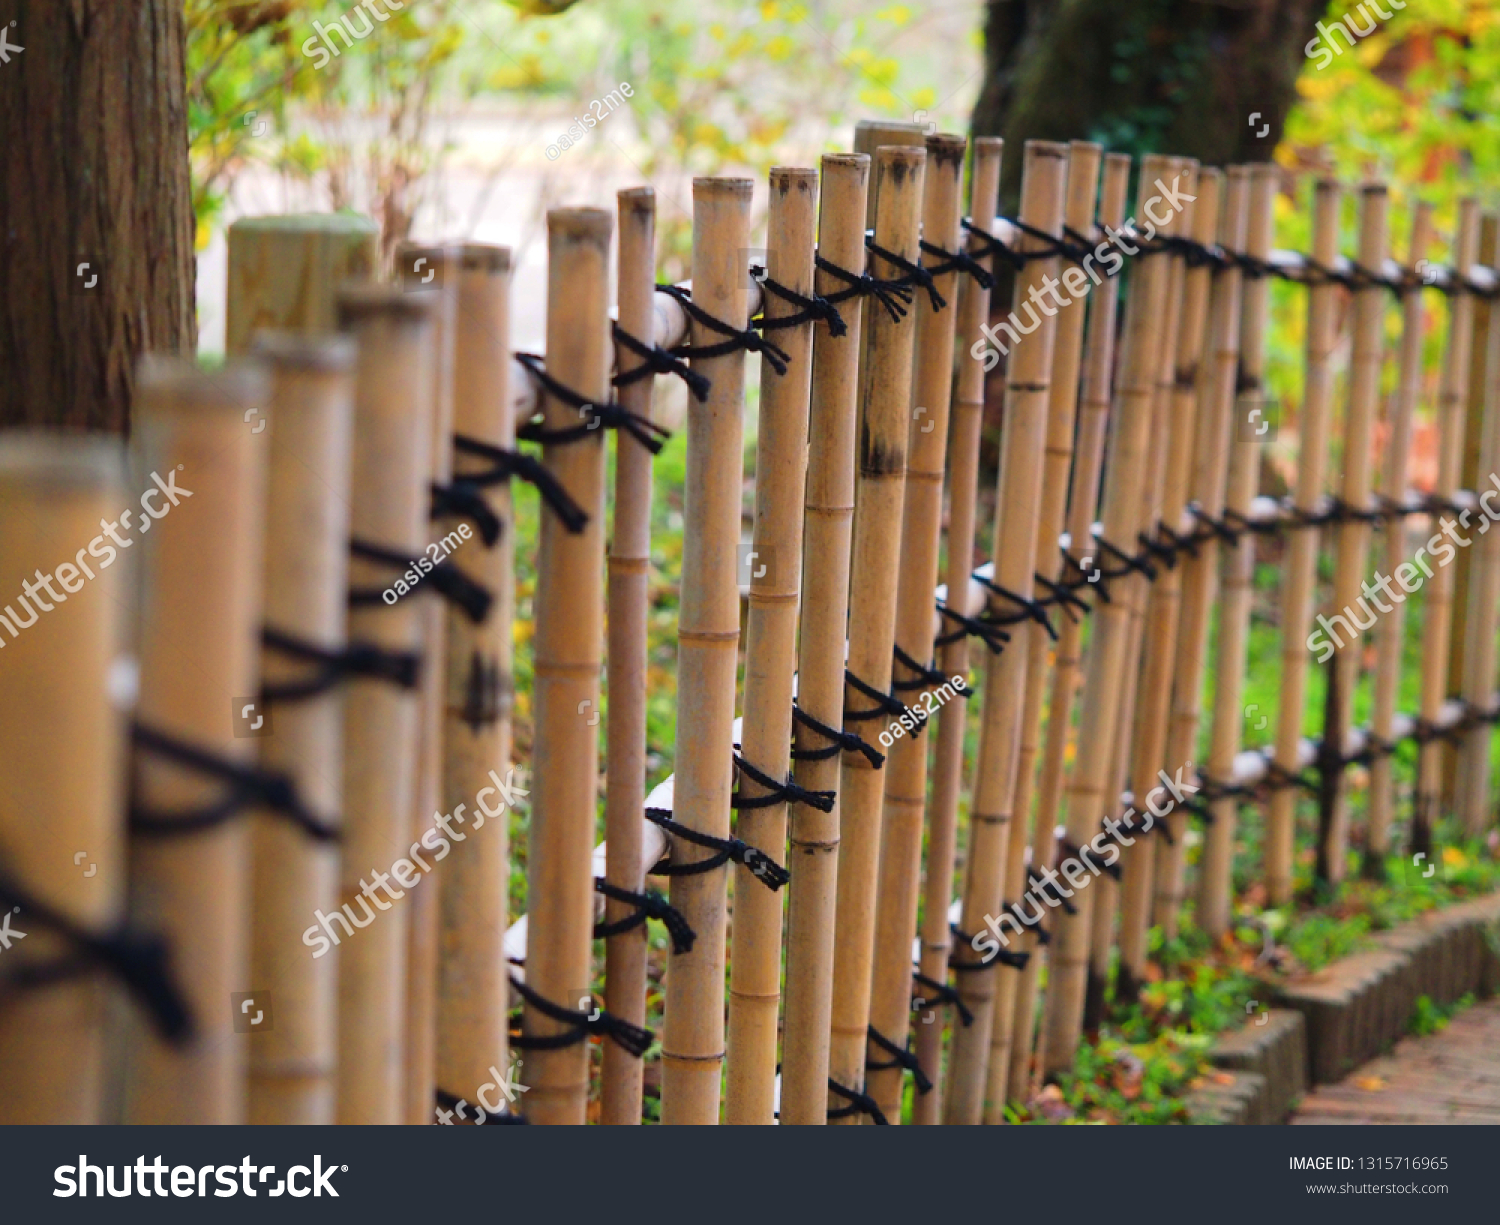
<point>812,309</point>
<point>923,676</point>
<point>762,866</point>
<point>462,499</point>
<point>746,340</point>
<point>987,632</point>
<point>885,704</point>
<point>893,295</point>
<point>915,273</point>
<point>1029,609</point>
<point>249,787</point>
<point>628,1037</point>
<point>593,417</point>
<point>957,261</point>
<point>657,361</point>
<point>900,1057</point>
<point>506,464</point>
<point>859,1103</point>
<point>139,961</point>
<point>839,741</point>
<point>1078,853</point>
<point>445,579</point>
<point>648,905</point>
<point>1039,886</point>
<point>942,993</point>
<point>777,793</point>
<point>448,1101</point>
<point>1001,957</point>
<point>1043,936</point>
<point>401,668</point>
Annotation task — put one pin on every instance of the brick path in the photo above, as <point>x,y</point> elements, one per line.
<point>1447,1077</point>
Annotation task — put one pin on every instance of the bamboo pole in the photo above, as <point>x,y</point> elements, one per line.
<point>472,993</point>
<point>1200,571</point>
<point>569,633</point>
<point>1083,503</point>
<point>425,907</point>
<point>1390,629</point>
<point>771,640</point>
<point>1027,393</point>
<point>389,503</point>
<point>1109,636</point>
<point>1153,712</point>
<point>1239,562</point>
<point>629,609</point>
<point>1301,562</point>
<point>284,271</point>
<point>965,419</point>
<point>1057,462</point>
<point>295,879</point>
<point>1437,621</point>
<point>199,648</point>
<point>869,135</point>
<point>885,416</point>
<point>1478,675</point>
<point>828,510</point>
<point>900,863</point>
<point>1352,541</point>
<point>62,752</point>
<point>1147,680</point>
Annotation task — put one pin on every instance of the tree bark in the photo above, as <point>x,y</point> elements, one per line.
<point>96,213</point>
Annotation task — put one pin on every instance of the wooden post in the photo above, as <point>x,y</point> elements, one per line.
<point>1300,565</point>
<point>775,565</point>
<point>389,506</point>
<point>295,879</point>
<point>62,753</point>
<point>1027,394</point>
<point>1093,418</point>
<point>472,992</point>
<point>1437,619</point>
<point>885,416</point>
<point>1200,572</point>
<point>629,609</point>
<point>1352,542</point>
<point>1082,197</point>
<point>828,509</point>
<point>1153,710</point>
<point>1390,629</point>
<point>1239,563</point>
<point>199,653</point>
<point>966,418</point>
<point>284,271</point>
<point>569,637</point>
<point>900,864</point>
<point>1109,635</point>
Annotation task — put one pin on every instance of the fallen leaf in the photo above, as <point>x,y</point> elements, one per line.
<point>1371,1084</point>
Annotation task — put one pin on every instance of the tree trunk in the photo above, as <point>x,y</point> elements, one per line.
<point>95,207</point>
<point>1171,76</point>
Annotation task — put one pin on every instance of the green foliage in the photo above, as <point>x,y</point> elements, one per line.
<point>1430,1018</point>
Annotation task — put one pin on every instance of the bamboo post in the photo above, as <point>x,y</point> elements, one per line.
<point>199,649</point>
<point>413,263</point>
<point>708,637</point>
<point>284,270</point>
<point>1057,463</point>
<point>1027,393</point>
<point>1390,629</point>
<point>965,419</point>
<point>389,505</point>
<point>1300,567</point>
<point>775,565</point>
<point>1159,667</point>
<point>828,510</point>
<point>296,879</point>
<point>1437,621</point>
<point>900,863</point>
<point>1200,572</point>
<point>884,418</point>
<point>62,752</point>
<point>1147,680</point>
<point>1083,502</point>
<point>623,1076</point>
<point>1109,636</point>
<point>1352,542</point>
<point>869,135</point>
<point>1239,562</point>
<point>569,636</point>
<point>472,993</point>
<point>1478,675</point>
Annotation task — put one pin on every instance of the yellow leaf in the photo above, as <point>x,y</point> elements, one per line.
<point>1370,1084</point>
